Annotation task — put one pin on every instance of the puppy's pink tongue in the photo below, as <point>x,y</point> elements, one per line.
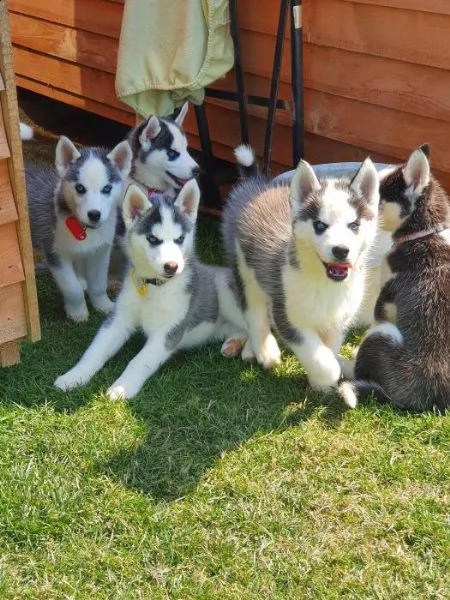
<point>337,271</point>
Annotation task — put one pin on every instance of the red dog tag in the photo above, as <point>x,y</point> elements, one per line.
<point>76,228</point>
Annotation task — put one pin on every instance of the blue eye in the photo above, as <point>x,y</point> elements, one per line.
<point>179,240</point>
<point>320,227</point>
<point>354,226</point>
<point>107,189</point>
<point>154,241</point>
<point>80,188</point>
<point>172,154</point>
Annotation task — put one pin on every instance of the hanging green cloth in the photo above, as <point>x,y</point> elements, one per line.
<point>169,51</point>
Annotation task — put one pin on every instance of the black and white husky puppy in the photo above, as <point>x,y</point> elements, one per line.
<point>405,357</point>
<point>299,254</point>
<point>73,213</point>
<point>177,301</point>
<point>161,161</point>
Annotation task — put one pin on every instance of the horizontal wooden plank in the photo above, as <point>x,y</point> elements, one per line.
<point>440,7</point>
<point>122,116</point>
<point>97,16</point>
<point>13,323</point>
<point>82,81</point>
<point>376,128</point>
<point>8,211</point>
<point>11,270</point>
<point>82,47</point>
<point>406,35</point>
<point>404,86</point>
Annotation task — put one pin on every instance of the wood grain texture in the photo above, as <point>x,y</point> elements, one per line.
<point>77,46</point>
<point>403,86</point>
<point>8,211</point>
<point>440,7</point>
<point>408,35</point>
<point>28,305</point>
<point>11,270</point>
<point>13,321</point>
<point>9,354</point>
<point>97,16</point>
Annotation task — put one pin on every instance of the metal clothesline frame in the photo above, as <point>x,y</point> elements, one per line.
<point>294,7</point>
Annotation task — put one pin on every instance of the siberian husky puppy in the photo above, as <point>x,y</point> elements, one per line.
<point>405,357</point>
<point>73,213</point>
<point>299,255</point>
<point>167,293</point>
<point>161,161</point>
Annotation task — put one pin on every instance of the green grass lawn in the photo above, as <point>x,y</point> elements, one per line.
<point>217,481</point>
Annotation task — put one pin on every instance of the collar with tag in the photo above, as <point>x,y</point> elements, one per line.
<point>141,284</point>
<point>76,228</point>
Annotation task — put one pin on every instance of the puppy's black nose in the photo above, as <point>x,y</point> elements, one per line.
<point>196,171</point>
<point>340,252</point>
<point>170,268</point>
<point>94,215</point>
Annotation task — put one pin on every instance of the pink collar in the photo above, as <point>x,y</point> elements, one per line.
<point>418,234</point>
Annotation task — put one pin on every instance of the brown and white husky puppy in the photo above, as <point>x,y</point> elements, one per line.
<point>405,356</point>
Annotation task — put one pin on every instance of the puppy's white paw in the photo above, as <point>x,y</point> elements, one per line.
<point>247,353</point>
<point>326,371</point>
<point>348,394</point>
<point>71,379</point>
<point>103,304</point>
<point>121,390</point>
<point>269,354</point>
<point>80,315</point>
<point>232,346</point>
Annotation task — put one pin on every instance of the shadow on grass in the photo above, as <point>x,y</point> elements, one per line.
<point>196,408</point>
<point>201,406</point>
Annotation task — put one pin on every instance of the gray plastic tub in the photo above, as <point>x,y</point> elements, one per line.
<point>340,169</point>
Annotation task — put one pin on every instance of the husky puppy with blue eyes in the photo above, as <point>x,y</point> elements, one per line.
<point>161,161</point>
<point>73,214</point>
<point>176,300</point>
<point>299,254</point>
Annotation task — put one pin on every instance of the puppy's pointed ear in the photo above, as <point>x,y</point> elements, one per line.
<point>188,199</point>
<point>367,183</point>
<point>150,131</point>
<point>182,114</point>
<point>65,154</point>
<point>416,173</point>
<point>134,204</point>
<point>121,157</point>
<point>303,184</point>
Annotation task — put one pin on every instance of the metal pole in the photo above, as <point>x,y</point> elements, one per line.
<point>298,149</point>
<point>238,71</point>
<point>274,84</point>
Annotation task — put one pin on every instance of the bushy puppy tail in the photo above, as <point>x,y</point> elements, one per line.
<point>353,391</point>
<point>246,161</point>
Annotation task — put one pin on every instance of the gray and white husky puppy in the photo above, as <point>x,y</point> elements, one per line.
<point>177,301</point>
<point>161,161</point>
<point>73,213</point>
<point>405,357</point>
<point>299,254</point>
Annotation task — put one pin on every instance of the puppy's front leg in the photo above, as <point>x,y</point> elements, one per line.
<point>96,269</point>
<point>320,362</point>
<point>110,338</point>
<point>144,365</point>
<point>72,290</point>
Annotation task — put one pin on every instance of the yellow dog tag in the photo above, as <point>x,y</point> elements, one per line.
<point>139,284</point>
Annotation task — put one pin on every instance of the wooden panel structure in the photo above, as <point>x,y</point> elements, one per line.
<point>377,73</point>
<point>19,316</point>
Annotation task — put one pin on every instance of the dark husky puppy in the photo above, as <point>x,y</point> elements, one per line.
<point>405,356</point>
